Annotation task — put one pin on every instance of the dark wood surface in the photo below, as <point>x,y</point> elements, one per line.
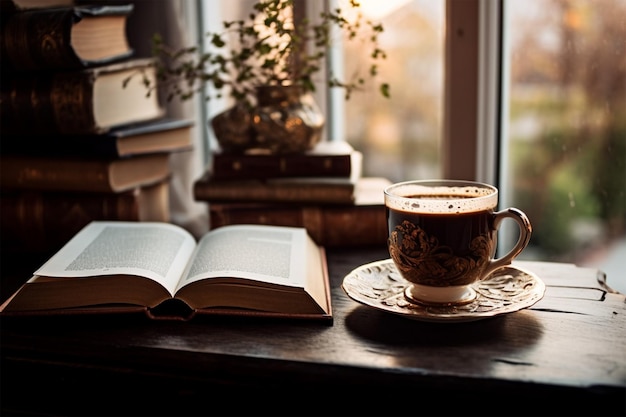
<point>566,355</point>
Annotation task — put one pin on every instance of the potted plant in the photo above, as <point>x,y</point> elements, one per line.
<point>267,64</point>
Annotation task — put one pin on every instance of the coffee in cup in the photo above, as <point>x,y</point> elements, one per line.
<point>443,237</point>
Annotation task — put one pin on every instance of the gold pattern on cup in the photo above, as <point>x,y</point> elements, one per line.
<point>420,258</point>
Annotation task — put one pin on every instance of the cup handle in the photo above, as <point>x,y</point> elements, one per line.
<point>525,229</point>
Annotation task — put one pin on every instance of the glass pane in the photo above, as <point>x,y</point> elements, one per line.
<point>400,137</point>
<point>565,151</point>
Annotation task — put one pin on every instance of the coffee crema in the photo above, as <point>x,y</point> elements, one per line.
<point>441,199</point>
<point>442,196</point>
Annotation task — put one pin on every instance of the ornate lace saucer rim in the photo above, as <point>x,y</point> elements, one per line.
<point>507,290</point>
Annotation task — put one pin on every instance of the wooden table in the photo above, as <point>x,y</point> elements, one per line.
<point>566,355</point>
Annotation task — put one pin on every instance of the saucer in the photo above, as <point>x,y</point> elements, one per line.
<point>380,285</point>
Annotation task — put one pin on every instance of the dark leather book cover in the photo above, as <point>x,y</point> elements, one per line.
<point>155,136</point>
<point>88,101</point>
<point>296,190</point>
<point>72,173</point>
<point>64,38</point>
<point>363,223</point>
<point>325,162</point>
<point>42,220</point>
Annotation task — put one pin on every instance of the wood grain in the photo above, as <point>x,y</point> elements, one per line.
<point>563,356</point>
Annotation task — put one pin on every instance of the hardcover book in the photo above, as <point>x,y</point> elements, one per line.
<point>87,101</point>
<point>19,5</point>
<point>41,221</point>
<point>363,223</point>
<point>64,38</point>
<point>155,136</point>
<point>327,159</point>
<point>320,190</point>
<point>72,173</point>
<point>160,269</point>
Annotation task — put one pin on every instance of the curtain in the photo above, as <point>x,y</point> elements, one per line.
<point>175,20</point>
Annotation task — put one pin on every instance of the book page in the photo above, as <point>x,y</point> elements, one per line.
<point>263,253</point>
<point>159,251</point>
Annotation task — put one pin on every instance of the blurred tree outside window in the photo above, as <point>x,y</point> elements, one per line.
<point>564,159</point>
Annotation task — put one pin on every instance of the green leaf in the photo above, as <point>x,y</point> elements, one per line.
<point>217,41</point>
<point>384,90</point>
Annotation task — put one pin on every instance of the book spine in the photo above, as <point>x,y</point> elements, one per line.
<point>231,166</point>
<point>154,136</point>
<point>60,102</point>
<point>328,226</point>
<point>41,39</point>
<point>43,220</point>
<point>267,191</point>
<point>57,145</point>
<point>53,174</point>
<point>38,39</point>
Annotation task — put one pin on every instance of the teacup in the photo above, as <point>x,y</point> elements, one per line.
<point>443,237</point>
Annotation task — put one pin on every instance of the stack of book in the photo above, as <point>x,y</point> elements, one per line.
<point>322,190</point>
<point>81,139</point>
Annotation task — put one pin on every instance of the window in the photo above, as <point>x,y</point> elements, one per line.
<point>401,136</point>
<point>530,96</point>
<point>563,157</point>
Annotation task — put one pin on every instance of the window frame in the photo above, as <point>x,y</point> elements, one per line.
<point>472,110</point>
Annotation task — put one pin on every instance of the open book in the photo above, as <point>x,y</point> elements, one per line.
<point>116,266</point>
